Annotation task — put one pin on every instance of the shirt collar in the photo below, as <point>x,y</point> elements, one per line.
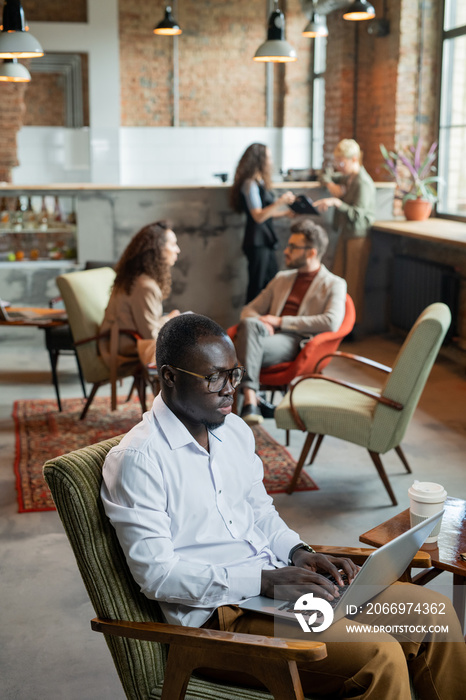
<point>176,433</point>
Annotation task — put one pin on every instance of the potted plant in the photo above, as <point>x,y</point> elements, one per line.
<point>414,179</point>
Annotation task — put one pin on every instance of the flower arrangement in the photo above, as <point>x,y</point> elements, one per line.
<point>415,181</point>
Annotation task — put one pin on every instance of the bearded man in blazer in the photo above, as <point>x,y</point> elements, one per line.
<point>298,303</point>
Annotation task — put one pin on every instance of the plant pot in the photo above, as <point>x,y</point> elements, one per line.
<point>417,209</point>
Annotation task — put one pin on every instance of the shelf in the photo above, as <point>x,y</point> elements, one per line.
<point>32,231</point>
<point>42,262</point>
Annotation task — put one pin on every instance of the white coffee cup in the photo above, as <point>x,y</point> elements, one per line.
<point>426,499</point>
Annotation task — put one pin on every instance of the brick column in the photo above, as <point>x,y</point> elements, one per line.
<point>11,119</point>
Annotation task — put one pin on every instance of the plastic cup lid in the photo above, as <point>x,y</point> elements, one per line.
<point>427,491</point>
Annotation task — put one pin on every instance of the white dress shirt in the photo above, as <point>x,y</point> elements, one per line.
<point>196,527</point>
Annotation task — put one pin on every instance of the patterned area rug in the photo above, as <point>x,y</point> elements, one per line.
<point>43,433</point>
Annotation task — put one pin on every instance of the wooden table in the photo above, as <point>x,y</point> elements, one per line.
<point>445,555</point>
<point>51,319</point>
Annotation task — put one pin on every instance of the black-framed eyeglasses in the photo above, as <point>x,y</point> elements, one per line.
<point>292,246</point>
<point>217,380</point>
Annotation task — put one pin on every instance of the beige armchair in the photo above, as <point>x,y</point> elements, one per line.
<point>375,418</point>
<point>86,295</point>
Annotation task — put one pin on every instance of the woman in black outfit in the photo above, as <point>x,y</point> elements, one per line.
<point>251,193</point>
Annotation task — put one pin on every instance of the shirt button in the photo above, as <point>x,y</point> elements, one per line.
<point>231,522</point>
<point>220,491</point>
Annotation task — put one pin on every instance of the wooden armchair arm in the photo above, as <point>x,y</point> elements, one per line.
<point>270,659</point>
<point>359,554</point>
<point>125,331</point>
<point>357,358</point>
<point>213,640</point>
<point>354,387</point>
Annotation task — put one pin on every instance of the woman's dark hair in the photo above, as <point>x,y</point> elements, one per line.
<point>144,255</point>
<point>254,160</point>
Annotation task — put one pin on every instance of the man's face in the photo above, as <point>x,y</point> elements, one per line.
<point>191,399</point>
<point>297,251</point>
<point>344,165</point>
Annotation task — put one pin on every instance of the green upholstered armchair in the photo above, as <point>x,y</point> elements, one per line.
<point>139,644</point>
<point>376,419</point>
<point>86,294</point>
<point>132,624</point>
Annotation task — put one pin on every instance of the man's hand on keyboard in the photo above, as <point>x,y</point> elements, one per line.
<point>322,563</point>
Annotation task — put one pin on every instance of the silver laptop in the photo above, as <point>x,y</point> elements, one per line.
<point>382,568</point>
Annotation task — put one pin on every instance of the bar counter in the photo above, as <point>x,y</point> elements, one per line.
<point>210,276</point>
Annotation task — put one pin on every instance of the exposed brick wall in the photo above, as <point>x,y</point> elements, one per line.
<point>11,115</point>
<point>45,10</point>
<point>377,85</point>
<point>297,89</point>
<point>45,97</point>
<point>219,83</point>
<point>45,100</point>
<point>339,83</point>
<point>395,79</point>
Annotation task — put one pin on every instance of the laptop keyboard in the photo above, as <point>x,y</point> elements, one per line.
<point>289,606</point>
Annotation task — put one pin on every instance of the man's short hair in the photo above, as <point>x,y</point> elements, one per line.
<point>180,335</point>
<point>315,235</point>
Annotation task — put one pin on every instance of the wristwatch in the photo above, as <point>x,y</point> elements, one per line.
<point>300,545</point>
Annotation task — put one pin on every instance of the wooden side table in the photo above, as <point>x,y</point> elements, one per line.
<point>445,556</point>
<point>50,320</point>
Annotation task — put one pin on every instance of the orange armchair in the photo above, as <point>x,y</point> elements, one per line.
<point>279,376</point>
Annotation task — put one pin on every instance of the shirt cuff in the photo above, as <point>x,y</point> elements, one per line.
<point>245,582</point>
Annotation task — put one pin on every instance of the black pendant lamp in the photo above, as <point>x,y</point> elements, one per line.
<point>275,49</point>
<point>168,26</point>
<point>15,39</point>
<point>359,10</point>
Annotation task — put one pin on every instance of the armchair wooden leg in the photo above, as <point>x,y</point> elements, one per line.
<point>90,399</point>
<point>383,475</point>
<point>316,448</point>
<point>402,456</point>
<point>281,678</point>
<point>130,392</point>
<point>141,389</point>
<point>302,458</point>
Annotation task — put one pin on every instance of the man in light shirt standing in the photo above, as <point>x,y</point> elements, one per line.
<point>184,491</point>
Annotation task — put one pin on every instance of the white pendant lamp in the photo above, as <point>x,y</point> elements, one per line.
<point>13,72</point>
<point>359,10</point>
<point>276,49</point>
<point>168,26</point>
<point>15,40</point>
<point>316,27</point>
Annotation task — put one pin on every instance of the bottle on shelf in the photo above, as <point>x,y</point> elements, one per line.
<point>30,220</point>
<point>18,215</point>
<point>43,216</point>
<point>71,218</point>
<point>57,218</point>
<point>4,213</point>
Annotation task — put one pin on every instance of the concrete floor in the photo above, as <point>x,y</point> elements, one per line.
<point>47,648</point>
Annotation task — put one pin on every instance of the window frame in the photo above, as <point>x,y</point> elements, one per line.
<point>445,35</point>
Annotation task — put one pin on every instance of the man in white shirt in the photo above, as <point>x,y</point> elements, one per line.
<point>184,491</point>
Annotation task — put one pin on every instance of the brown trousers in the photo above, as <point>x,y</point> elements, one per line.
<point>373,666</point>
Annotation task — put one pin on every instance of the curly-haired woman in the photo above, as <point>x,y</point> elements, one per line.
<point>142,282</point>
<point>251,193</point>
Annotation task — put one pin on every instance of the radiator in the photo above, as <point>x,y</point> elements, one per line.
<point>418,283</point>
